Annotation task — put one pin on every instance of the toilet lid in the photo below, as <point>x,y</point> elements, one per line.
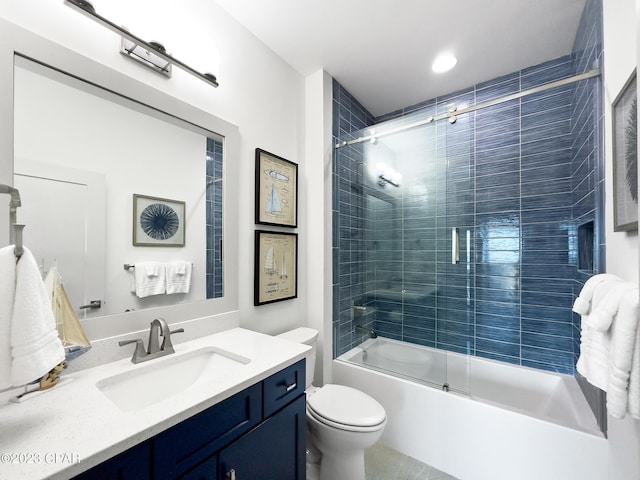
<point>346,406</point>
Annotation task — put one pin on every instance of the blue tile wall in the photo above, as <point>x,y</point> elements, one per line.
<point>214,217</point>
<point>520,176</point>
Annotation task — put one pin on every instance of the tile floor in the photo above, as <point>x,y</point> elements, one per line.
<point>383,463</point>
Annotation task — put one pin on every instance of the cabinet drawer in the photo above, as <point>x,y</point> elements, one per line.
<point>191,442</point>
<point>283,387</point>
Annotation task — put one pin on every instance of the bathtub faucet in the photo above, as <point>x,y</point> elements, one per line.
<point>360,330</point>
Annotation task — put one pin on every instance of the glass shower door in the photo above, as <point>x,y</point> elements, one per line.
<point>390,217</point>
<point>456,294</point>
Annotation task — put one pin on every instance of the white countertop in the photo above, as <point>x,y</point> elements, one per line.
<point>73,427</point>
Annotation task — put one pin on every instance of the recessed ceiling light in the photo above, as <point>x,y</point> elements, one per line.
<point>444,63</point>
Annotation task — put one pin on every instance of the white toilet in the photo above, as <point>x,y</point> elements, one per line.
<point>341,421</point>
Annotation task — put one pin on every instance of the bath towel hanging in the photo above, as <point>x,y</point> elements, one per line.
<point>610,343</point>
<point>31,347</point>
<point>582,304</point>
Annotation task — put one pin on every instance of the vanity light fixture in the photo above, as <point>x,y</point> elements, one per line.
<point>150,53</point>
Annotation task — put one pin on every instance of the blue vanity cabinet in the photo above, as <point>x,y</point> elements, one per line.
<point>132,464</point>
<point>273,450</point>
<point>258,433</point>
<point>183,447</point>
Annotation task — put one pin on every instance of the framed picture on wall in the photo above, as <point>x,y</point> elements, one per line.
<point>276,267</point>
<point>158,222</point>
<point>625,157</point>
<point>276,190</point>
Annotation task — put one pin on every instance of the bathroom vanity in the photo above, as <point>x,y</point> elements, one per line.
<point>257,433</point>
<point>233,421</point>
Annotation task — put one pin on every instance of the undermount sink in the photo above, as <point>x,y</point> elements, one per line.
<point>166,377</point>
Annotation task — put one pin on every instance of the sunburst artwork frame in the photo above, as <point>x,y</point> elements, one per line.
<point>625,158</point>
<point>158,222</point>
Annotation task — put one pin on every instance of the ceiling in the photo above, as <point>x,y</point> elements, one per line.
<point>381,50</point>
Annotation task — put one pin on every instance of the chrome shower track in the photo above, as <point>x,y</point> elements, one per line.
<point>454,113</point>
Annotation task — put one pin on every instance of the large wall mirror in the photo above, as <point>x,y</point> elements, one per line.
<point>91,147</point>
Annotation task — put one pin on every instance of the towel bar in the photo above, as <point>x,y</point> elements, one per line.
<point>129,266</point>
<point>15,234</point>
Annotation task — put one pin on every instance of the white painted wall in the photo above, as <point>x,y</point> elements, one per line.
<point>258,92</point>
<point>318,201</point>
<point>620,39</point>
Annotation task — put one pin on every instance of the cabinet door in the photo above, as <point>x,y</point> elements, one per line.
<point>195,440</point>
<point>207,470</point>
<point>133,464</point>
<point>274,450</point>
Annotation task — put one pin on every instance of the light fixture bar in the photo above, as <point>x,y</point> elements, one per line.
<point>158,51</point>
<point>146,57</point>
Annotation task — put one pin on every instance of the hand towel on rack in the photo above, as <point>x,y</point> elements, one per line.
<point>150,279</point>
<point>35,345</point>
<point>582,305</point>
<point>624,329</point>
<point>178,277</point>
<point>7,295</point>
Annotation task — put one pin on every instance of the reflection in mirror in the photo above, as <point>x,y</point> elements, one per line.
<point>81,153</point>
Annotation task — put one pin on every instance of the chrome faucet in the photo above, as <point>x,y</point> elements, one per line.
<point>360,330</point>
<point>159,327</point>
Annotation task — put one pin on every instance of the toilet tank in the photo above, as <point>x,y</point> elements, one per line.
<point>306,336</point>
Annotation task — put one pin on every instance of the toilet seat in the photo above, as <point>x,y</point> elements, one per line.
<point>346,408</point>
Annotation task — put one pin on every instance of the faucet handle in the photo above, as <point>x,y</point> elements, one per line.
<point>138,353</point>
<point>166,342</point>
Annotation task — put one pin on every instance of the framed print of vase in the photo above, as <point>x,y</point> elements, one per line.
<point>158,222</point>
<point>625,158</point>
<point>276,267</point>
<point>276,190</point>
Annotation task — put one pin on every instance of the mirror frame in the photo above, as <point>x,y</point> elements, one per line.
<point>16,40</point>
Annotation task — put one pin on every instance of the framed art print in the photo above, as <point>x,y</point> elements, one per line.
<point>276,190</point>
<point>158,222</point>
<point>625,158</point>
<point>276,267</point>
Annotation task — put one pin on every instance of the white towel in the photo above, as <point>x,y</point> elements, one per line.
<point>35,346</point>
<point>7,295</point>
<point>610,344</point>
<point>623,345</point>
<point>633,406</point>
<point>582,305</point>
<point>178,277</point>
<point>593,362</point>
<point>149,279</point>
<point>600,318</point>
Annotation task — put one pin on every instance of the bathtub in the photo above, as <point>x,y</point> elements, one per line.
<point>485,420</point>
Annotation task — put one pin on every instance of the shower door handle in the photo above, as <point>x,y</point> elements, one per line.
<point>455,245</point>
